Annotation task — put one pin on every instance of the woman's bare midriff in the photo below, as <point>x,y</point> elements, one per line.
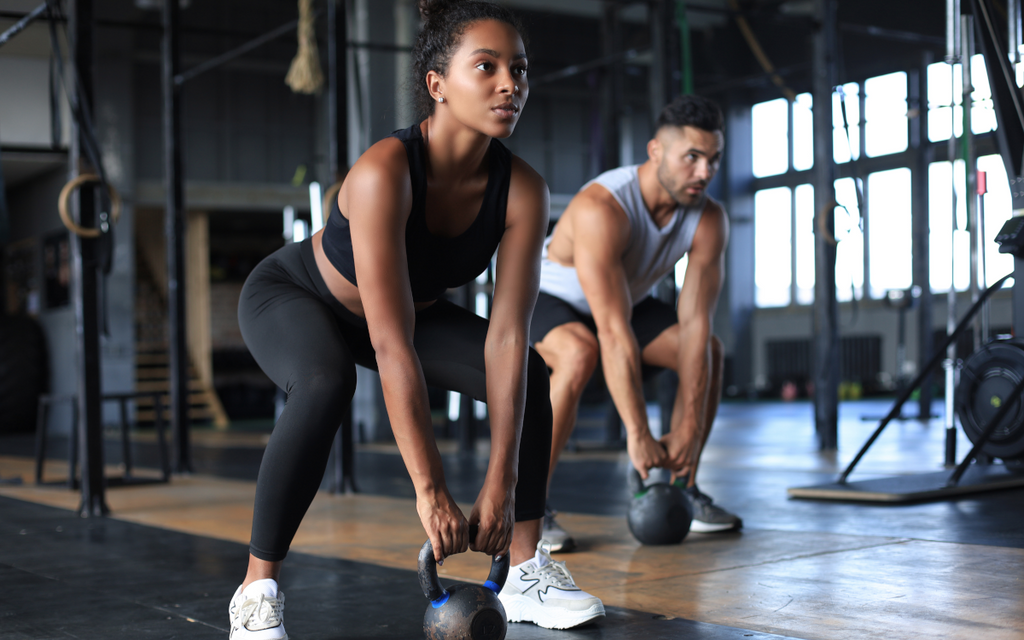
<point>339,286</point>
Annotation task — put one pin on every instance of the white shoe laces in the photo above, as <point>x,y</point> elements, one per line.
<point>555,573</point>
<point>268,613</point>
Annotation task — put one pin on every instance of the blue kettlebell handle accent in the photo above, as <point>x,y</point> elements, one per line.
<point>431,584</point>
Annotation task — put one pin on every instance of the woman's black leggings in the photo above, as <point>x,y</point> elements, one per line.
<point>308,343</point>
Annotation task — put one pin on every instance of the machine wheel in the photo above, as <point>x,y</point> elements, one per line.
<point>986,380</point>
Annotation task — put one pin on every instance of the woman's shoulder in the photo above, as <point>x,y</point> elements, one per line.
<point>384,160</point>
<point>525,177</point>
<point>527,188</point>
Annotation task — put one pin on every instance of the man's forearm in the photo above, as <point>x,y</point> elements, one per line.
<point>694,371</point>
<point>620,362</point>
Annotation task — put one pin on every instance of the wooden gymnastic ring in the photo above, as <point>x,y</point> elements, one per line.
<point>823,226</point>
<point>65,216</point>
<point>329,196</point>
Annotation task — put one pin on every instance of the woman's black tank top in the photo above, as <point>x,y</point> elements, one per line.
<point>435,263</point>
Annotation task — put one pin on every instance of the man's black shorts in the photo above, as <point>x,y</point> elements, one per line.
<point>650,318</point>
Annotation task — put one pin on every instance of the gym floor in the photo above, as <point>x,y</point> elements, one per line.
<point>166,561</point>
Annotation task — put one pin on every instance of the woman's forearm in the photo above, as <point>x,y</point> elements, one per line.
<point>405,397</point>
<point>505,360</point>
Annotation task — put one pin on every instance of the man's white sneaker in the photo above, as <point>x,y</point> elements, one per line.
<point>542,591</point>
<point>257,613</point>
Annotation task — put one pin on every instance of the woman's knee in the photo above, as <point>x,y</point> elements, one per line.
<point>329,389</point>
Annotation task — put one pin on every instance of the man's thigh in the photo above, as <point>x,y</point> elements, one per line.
<point>656,328</point>
<point>551,313</point>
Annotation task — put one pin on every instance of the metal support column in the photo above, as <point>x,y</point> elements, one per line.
<point>656,79</point>
<point>610,87</point>
<point>826,308</point>
<point>466,425</point>
<point>921,231</point>
<point>85,277</point>
<point>337,85</point>
<point>970,162</point>
<point>337,165</point>
<point>739,284</point>
<point>174,229</point>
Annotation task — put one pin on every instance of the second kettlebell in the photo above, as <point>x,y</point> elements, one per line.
<point>659,513</point>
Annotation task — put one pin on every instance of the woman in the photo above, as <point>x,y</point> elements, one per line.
<point>420,212</point>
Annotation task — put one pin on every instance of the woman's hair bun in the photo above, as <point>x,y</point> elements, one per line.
<point>433,8</point>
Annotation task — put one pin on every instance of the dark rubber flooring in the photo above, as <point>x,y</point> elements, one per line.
<point>66,577</point>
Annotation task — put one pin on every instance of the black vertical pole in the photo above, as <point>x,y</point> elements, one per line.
<point>611,89</point>
<point>174,229</point>
<point>656,80</point>
<point>921,232</point>
<point>826,308</point>
<point>86,276</point>
<point>337,161</point>
<point>739,283</point>
<point>467,422</point>
<point>337,106</point>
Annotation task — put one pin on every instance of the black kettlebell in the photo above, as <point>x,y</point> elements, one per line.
<point>659,513</point>
<point>463,611</point>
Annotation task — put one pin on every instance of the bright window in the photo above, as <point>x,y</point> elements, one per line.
<point>803,201</point>
<point>850,236</point>
<point>773,266</point>
<point>941,80</point>
<point>948,247</point>
<point>945,88</point>
<point>846,134</point>
<point>770,124</point>
<point>983,114</point>
<point>680,271</point>
<point>998,208</point>
<point>803,133</point>
<point>885,114</point>
<point>890,239</point>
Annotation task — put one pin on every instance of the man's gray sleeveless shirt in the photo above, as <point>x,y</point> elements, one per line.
<point>650,254</point>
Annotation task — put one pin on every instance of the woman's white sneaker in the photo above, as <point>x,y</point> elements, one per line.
<point>257,613</point>
<point>542,591</point>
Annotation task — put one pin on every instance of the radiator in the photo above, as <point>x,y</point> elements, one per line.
<point>860,360</point>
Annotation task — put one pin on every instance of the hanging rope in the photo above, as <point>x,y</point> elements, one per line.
<point>755,48</point>
<point>305,75</point>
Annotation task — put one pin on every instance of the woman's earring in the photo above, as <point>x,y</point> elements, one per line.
<point>441,99</point>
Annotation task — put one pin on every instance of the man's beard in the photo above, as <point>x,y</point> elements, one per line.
<point>680,196</point>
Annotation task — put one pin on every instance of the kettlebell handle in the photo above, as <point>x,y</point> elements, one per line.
<point>431,584</point>
<point>637,487</point>
<point>636,483</point>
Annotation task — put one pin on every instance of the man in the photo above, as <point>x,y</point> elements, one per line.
<point>620,235</point>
